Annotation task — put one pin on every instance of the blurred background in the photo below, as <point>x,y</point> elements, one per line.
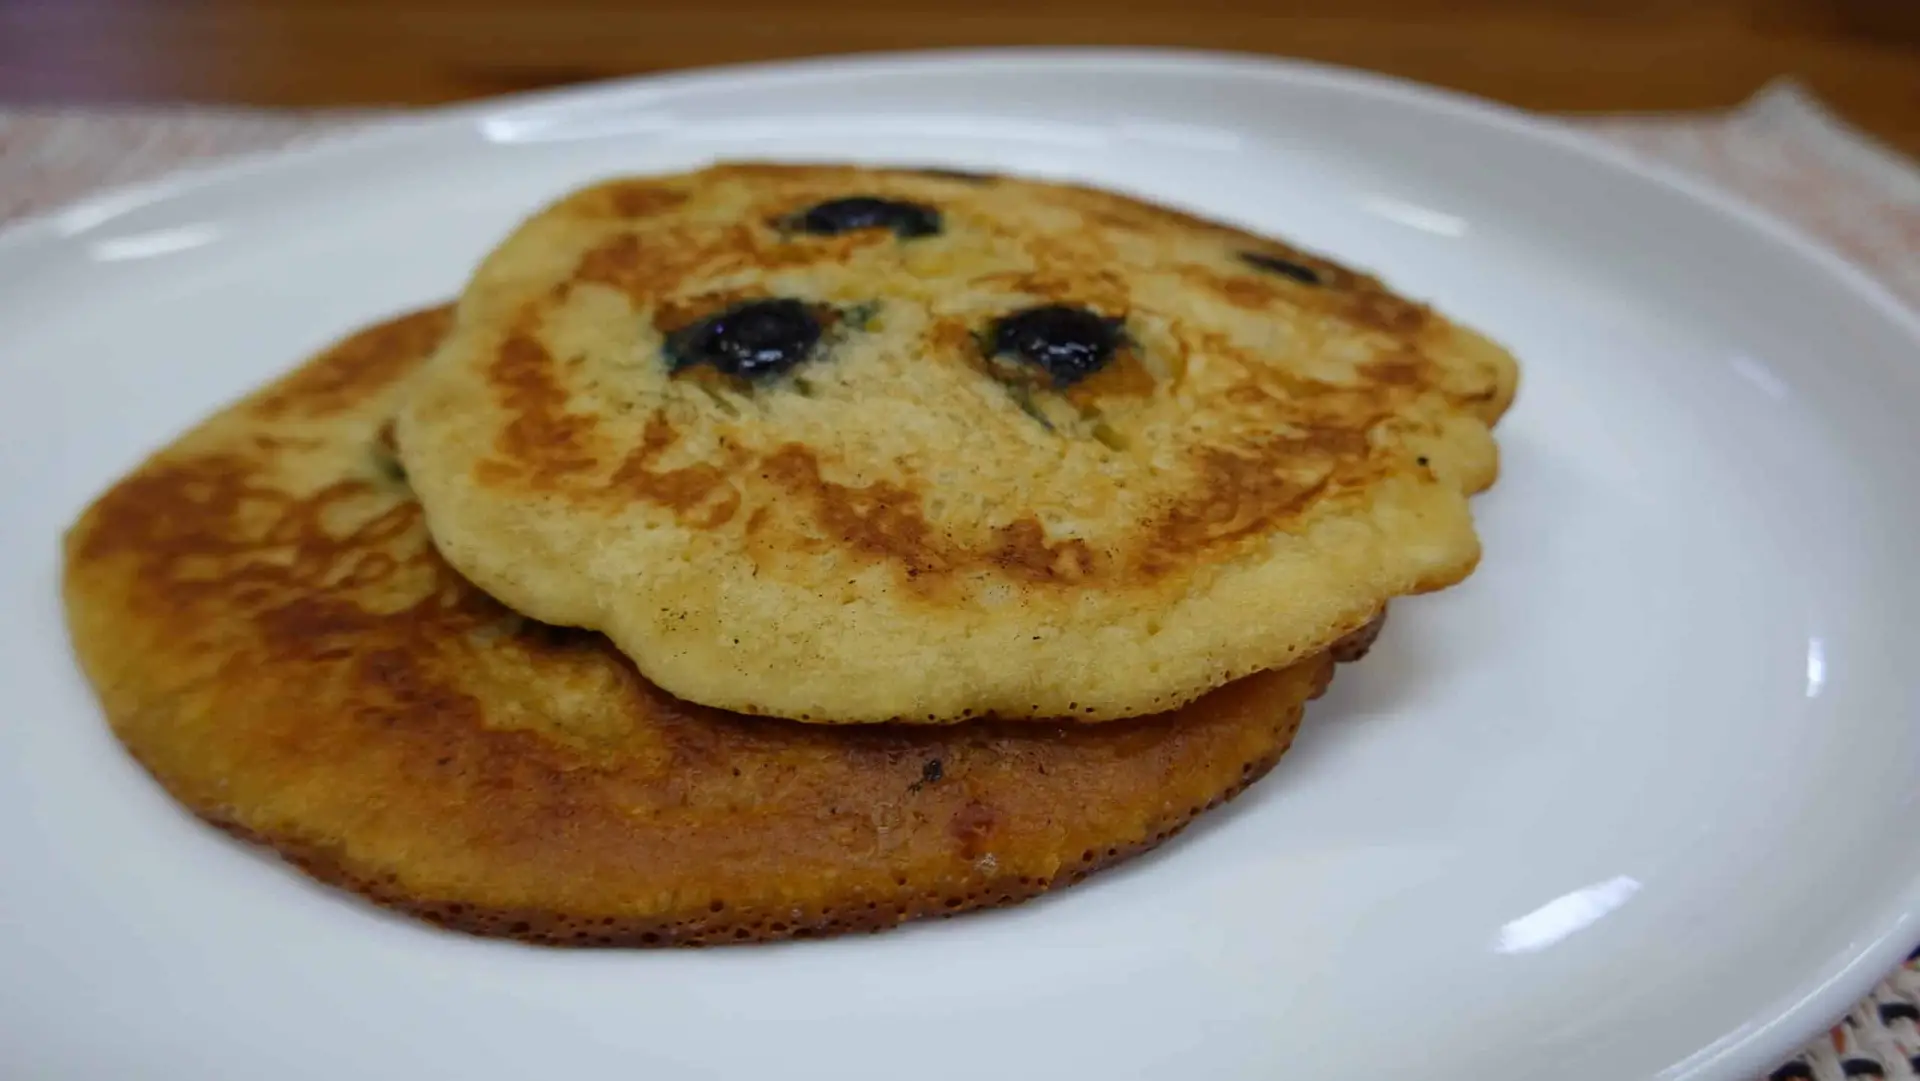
<point>1861,56</point>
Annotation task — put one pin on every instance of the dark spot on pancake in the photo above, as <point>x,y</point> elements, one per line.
<point>835,216</point>
<point>972,826</point>
<point>642,198</point>
<point>1374,307</point>
<point>861,316</point>
<point>750,340</point>
<point>1023,551</point>
<point>1401,371</point>
<point>1023,397</point>
<point>930,773</point>
<point>962,175</point>
<point>1286,268</point>
<point>1068,343</point>
<point>386,456</point>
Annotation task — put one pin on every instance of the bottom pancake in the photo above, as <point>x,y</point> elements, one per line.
<point>272,635</point>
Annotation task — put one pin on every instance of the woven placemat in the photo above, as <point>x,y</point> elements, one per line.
<point>1781,150</point>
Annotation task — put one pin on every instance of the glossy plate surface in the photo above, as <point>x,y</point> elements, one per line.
<point>1636,801</point>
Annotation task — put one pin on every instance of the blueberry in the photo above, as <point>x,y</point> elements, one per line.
<point>1286,268</point>
<point>751,340</point>
<point>1066,342</point>
<point>837,216</point>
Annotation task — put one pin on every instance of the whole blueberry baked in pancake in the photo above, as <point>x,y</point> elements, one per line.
<point>275,639</point>
<point>855,445</point>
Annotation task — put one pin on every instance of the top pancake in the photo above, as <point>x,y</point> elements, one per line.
<point>919,519</point>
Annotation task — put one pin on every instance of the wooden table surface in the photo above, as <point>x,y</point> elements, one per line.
<point>1862,56</point>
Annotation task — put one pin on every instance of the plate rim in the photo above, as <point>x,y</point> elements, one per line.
<point>1792,1018</point>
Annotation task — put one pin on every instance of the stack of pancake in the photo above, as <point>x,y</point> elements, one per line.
<point>775,551</point>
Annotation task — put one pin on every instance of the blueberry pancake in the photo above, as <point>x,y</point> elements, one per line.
<point>273,636</point>
<point>853,445</point>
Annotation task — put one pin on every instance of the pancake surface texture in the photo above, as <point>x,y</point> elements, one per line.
<point>273,636</point>
<point>853,445</point>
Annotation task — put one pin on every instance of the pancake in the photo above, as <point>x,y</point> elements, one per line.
<point>849,445</point>
<point>274,638</point>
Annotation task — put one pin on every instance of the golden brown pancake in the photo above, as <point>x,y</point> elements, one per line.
<point>274,638</point>
<point>852,445</point>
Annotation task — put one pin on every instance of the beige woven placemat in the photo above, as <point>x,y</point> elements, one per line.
<point>1781,150</point>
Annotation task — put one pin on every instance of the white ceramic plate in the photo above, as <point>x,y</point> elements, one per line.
<point>1636,801</point>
